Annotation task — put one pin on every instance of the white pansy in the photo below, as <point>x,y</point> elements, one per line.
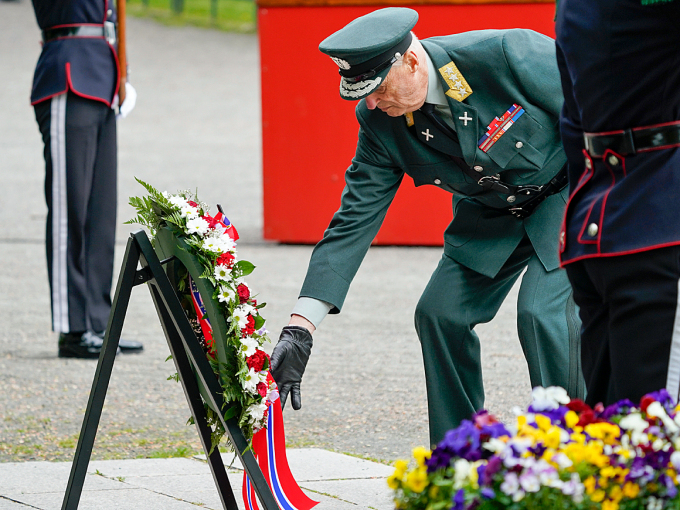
<point>675,460</point>
<point>256,411</point>
<point>656,410</point>
<point>222,273</point>
<point>510,484</point>
<point>495,445</point>
<point>197,226</point>
<point>562,461</point>
<point>636,424</point>
<point>226,294</point>
<point>547,399</point>
<point>250,381</point>
<point>462,469</point>
<point>529,482</point>
<point>248,346</point>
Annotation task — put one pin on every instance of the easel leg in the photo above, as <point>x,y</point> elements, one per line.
<point>195,401</point>
<point>100,384</point>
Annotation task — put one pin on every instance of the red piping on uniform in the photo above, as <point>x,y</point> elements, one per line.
<point>70,86</point>
<point>50,96</point>
<point>579,238</point>
<point>660,147</point>
<point>77,37</point>
<point>606,195</point>
<point>604,133</point>
<point>620,253</point>
<point>673,123</point>
<point>581,182</point>
<point>76,25</point>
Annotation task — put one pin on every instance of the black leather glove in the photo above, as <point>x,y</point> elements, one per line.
<point>289,360</point>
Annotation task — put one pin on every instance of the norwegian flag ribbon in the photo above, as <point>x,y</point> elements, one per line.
<point>201,314</point>
<point>269,447</point>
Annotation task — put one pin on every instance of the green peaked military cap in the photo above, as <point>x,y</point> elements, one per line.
<point>366,48</point>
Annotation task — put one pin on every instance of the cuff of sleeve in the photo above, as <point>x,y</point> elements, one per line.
<point>314,310</point>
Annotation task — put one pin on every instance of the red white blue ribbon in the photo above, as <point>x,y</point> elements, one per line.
<point>201,314</point>
<point>269,447</point>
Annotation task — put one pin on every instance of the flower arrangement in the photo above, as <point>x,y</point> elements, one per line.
<point>561,453</point>
<point>243,372</point>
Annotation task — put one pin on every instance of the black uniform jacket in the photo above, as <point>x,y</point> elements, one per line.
<point>88,66</point>
<point>623,75</point>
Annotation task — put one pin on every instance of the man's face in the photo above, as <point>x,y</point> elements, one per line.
<point>403,90</point>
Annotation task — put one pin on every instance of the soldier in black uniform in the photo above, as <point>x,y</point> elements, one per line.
<point>620,125</point>
<point>74,86</point>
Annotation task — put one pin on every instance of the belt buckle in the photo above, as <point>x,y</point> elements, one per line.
<point>110,32</point>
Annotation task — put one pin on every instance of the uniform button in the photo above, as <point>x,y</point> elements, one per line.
<point>613,160</point>
<point>589,164</point>
<point>437,181</point>
<point>592,229</point>
<point>511,198</point>
<point>519,145</point>
<point>478,168</point>
<point>109,12</point>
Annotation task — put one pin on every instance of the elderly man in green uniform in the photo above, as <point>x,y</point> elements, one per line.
<point>475,114</point>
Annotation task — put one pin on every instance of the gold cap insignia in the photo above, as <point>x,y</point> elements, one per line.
<point>409,119</point>
<point>458,87</point>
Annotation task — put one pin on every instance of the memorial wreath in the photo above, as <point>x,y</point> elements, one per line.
<point>234,352</point>
<point>560,454</point>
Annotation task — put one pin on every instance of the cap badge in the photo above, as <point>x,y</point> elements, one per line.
<point>458,87</point>
<point>342,64</point>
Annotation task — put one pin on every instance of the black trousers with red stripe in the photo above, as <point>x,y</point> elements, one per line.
<point>630,338</point>
<point>80,190</point>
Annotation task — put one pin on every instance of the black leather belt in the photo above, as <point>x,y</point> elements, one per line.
<point>106,30</point>
<point>632,141</point>
<point>555,185</point>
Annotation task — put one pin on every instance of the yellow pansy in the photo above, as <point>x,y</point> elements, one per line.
<point>543,422</point>
<point>610,505</point>
<point>571,419</point>
<point>616,493</point>
<point>416,480</point>
<point>631,490</point>
<point>597,496</point>
<point>421,455</point>
<point>393,481</point>
<point>400,467</point>
<point>607,432</point>
<point>589,484</point>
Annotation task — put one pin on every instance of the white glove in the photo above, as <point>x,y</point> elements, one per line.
<point>129,103</point>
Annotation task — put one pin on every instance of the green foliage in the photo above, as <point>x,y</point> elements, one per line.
<point>229,15</point>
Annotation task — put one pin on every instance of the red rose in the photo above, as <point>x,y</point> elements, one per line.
<point>243,293</point>
<point>250,326</point>
<point>262,389</point>
<point>226,259</point>
<point>192,203</point>
<point>587,417</point>
<point>256,361</point>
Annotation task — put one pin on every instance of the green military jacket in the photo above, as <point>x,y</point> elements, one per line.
<point>483,74</point>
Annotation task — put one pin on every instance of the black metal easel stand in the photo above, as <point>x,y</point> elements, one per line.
<point>186,352</point>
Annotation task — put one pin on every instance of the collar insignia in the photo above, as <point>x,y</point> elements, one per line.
<point>409,119</point>
<point>458,87</point>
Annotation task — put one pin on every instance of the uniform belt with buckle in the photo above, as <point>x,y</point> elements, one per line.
<point>107,31</point>
<point>631,141</point>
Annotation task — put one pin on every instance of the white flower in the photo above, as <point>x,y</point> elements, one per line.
<point>636,425</point>
<point>250,381</point>
<point>226,294</point>
<point>562,461</point>
<point>197,226</point>
<point>574,488</point>
<point>240,316</point>
<point>222,273</point>
<point>547,399</point>
<point>495,445</point>
<point>656,410</point>
<point>510,484</point>
<point>189,212</point>
<point>177,201</point>
<point>256,411</point>
<point>462,469</point>
<point>675,460</point>
<point>212,244</point>
<point>529,482</point>
<point>248,346</point>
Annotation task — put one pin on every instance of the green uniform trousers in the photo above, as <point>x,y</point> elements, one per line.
<point>457,299</point>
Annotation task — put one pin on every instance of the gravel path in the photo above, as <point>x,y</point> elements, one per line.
<point>197,125</point>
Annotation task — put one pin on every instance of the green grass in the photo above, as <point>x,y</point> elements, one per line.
<point>231,15</point>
